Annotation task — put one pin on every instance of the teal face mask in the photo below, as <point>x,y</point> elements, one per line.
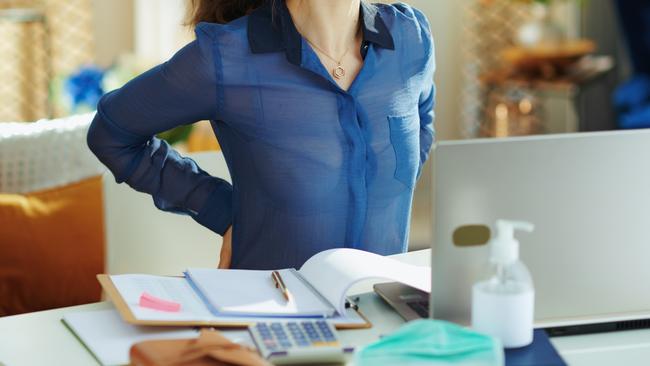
<point>433,342</point>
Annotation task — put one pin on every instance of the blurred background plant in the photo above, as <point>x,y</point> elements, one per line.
<point>81,90</point>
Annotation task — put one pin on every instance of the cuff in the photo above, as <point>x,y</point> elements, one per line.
<point>216,214</point>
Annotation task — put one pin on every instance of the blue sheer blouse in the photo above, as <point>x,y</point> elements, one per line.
<point>313,166</point>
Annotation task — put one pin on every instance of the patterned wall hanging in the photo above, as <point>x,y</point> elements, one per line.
<point>41,40</point>
<point>489,26</point>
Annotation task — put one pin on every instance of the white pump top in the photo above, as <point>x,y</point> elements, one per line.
<point>504,247</point>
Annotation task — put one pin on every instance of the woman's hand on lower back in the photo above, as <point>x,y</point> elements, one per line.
<point>226,250</point>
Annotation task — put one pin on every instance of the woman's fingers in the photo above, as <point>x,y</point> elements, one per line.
<point>226,250</point>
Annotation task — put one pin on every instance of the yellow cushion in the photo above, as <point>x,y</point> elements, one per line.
<point>51,247</point>
<point>202,138</point>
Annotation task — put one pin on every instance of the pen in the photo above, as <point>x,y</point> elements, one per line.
<point>352,303</point>
<point>279,284</point>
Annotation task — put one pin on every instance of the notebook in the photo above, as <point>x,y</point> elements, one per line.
<point>219,297</point>
<point>256,294</point>
<point>109,339</point>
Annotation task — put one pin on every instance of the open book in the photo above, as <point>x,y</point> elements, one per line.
<point>234,297</point>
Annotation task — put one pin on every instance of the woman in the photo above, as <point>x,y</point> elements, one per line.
<point>323,110</point>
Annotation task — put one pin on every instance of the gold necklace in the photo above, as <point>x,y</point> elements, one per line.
<point>338,72</point>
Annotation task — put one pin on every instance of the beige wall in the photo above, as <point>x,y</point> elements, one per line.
<point>113,21</point>
<point>159,29</point>
<point>446,18</point>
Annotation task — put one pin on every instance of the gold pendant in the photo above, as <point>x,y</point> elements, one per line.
<point>338,72</point>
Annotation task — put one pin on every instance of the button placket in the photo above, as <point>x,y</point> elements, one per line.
<point>354,133</point>
<point>360,170</point>
<point>356,167</point>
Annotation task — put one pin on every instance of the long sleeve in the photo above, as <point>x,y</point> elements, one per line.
<point>122,135</point>
<point>426,102</point>
<point>427,116</point>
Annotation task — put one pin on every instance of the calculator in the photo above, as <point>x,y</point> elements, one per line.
<point>302,341</point>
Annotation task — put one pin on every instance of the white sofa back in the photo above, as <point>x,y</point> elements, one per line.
<point>45,154</point>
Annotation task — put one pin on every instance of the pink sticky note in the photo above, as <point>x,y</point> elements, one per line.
<point>151,302</point>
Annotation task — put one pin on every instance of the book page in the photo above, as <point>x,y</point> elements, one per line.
<point>176,289</point>
<point>232,292</point>
<point>334,271</point>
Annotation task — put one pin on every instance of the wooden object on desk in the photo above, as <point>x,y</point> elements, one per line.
<point>582,71</point>
<point>548,60</point>
<point>128,316</point>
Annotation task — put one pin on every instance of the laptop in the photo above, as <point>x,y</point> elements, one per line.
<point>588,195</point>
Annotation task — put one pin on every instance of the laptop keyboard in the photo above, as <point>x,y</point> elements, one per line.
<point>420,307</point>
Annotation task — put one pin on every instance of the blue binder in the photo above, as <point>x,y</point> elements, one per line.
<point>540,353</point>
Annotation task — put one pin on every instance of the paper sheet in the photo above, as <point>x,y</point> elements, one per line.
<point>170,288</point>
<point>109,338</point>
<point>253,293</point>
<point>333,272</point>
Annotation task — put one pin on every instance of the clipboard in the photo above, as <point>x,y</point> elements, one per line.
<point>128,316</point>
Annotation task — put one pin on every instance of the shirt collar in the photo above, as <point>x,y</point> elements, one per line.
<point>271,29</point>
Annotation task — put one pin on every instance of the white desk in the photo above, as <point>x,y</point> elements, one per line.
<point>41,339</point>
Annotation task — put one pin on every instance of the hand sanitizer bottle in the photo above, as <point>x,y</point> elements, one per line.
<point>503,306</point>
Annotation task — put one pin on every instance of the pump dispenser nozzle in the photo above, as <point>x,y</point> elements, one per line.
<point>504,246</point>
<point>504,304</point>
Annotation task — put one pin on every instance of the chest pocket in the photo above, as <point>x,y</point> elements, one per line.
<point>405,138</point>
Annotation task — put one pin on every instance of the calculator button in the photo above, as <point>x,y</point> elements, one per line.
<point>277,338</point>
<point>314,337</point>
